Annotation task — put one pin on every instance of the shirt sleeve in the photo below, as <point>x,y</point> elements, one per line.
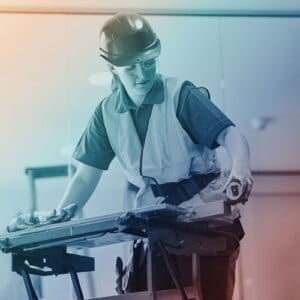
<point>94,148</point>
<point>200,117</point>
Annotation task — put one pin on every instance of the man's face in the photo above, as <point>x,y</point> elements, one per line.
<point>137,79</point>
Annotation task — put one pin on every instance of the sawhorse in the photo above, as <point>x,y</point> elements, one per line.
<point>167,241</point>
<point>57,260</point>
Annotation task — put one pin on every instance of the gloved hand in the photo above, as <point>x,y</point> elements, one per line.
<point>40,218</point>
<point>244,178</point>
<point>65,214</point>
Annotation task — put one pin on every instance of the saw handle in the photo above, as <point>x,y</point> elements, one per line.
<point>234,193</point>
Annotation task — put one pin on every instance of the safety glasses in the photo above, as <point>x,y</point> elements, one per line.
<point>146,65</point>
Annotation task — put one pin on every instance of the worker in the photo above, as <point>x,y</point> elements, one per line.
<point>162,130</point>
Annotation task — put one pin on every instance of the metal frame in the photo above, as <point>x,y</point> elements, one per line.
<point>203,11</point>
<point>57,261</point>
<point>157,223</point>
<point>32,249</point>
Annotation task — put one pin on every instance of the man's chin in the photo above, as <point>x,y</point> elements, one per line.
<point>143,88</point>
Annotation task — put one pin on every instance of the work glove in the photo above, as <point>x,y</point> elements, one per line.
<point>65,214</point>
<point>40,218</point>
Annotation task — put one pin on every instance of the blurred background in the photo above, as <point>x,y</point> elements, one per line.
<point>52,78</point>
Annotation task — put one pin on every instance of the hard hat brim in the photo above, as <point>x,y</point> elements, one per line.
<point>124,60</point>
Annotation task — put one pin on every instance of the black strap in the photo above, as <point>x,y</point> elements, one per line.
<point>178,192</point>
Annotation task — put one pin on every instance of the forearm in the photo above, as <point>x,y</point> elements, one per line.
<point>78,192</point>
<point>236,146</point>
<point>81,187</point>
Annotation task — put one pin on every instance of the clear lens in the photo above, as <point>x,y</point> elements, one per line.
<point>146,65</point>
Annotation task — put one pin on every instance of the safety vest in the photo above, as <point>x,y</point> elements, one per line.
<point>168,155</point>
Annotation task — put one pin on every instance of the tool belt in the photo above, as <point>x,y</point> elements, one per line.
<point>177,192</point>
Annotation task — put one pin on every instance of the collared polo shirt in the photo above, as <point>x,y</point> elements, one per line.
<point>141,114</point>
<point>199,117</point>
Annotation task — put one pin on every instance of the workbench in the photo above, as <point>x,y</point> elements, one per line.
<point>44,250</point>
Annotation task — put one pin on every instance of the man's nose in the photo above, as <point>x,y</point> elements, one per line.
<point>140,71</point>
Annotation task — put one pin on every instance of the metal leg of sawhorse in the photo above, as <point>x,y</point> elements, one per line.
<point>196,287</point>
<point>196,276</point>
<point>28,285</point>
<point>190,293</point>
<point>172,271</point>
<point>48,262</point>
<point>31,291</point>
<point>76,285</point>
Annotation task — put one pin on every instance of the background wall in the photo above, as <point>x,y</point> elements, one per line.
<point>290,7</point>
<point>52,78</point>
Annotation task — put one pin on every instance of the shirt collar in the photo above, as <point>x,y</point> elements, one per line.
<point>155,96</point>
